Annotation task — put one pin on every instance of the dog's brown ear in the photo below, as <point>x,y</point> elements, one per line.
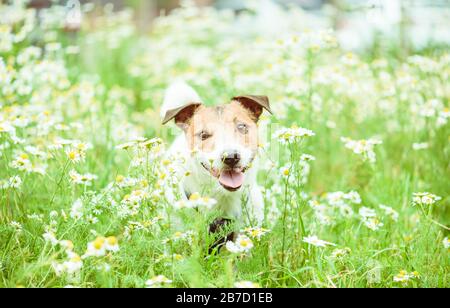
<point>254,103</point>
<point>181,114</point>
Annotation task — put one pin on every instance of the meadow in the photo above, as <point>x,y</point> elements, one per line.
<point>354,160</point>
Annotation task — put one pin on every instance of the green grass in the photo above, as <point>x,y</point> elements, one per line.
<point>108,96</point>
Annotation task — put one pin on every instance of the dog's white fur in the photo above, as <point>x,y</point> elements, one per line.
<point>246,205</point>
<point>178,94</point>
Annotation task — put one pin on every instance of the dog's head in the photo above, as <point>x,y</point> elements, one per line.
<point>223,139</point>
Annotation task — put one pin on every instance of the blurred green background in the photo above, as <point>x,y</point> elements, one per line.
<point>360,24</point>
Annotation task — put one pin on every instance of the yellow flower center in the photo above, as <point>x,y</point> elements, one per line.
<point>194,197</point>
<point>243,243</point>
<point>178,257</point>
<point>75,258</point>
<point>72,155</point>
<point>69,245</point>
<point>111,240</point>
<point>81,146</point>
<point>98,243</point>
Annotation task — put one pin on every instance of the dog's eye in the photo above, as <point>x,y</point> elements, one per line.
<point>242,128</point>
<point>203,135</point>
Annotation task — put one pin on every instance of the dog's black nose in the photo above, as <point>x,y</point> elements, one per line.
<point>231,159</point>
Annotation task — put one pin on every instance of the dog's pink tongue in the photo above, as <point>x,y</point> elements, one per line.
<point>231,178</point>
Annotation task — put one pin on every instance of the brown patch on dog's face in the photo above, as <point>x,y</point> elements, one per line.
<point>210,127</point>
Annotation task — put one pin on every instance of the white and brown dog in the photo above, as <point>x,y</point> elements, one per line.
<point>220,146</point>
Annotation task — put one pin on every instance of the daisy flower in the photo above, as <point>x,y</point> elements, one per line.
<point>285,171</point>
<point>178,257</point>
<point>255,232</point>
<point>404,277</point>
<point>76,211</point>
<point>340,253</point>
<point>446,243</point>
<point>16,226</point>
<point>246,285</point>
<point>362,147</point>
<point>15,181</point>
<point>373,223</point>
<point>81,179</point>
<point>389,212</point>
<point>293,134</point>
<point>242,244</point>
<point>126,146</point>
<point>315,241</point>
<point>112,244</point>
<point>157,281</point>
<point>96,248</point>
<point>74,155</point>
<point>22,162</point>
<point>67,245</point>
<point>366,212</point>
<point>50,238</point>
<point>82,147</point>
<point>420,146</point>
<point>74,264</point>
<point>196,200</point>
<point>7,128</point>
<point>307,157</point>
<point>188,235</point>
<point>425,198</point>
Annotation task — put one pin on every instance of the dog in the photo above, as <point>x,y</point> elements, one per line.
<point>220,146</point>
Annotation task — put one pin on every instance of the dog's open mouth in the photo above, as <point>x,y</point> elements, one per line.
<point>230,179</point>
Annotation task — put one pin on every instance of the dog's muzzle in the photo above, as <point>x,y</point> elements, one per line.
<point>232,176</point>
